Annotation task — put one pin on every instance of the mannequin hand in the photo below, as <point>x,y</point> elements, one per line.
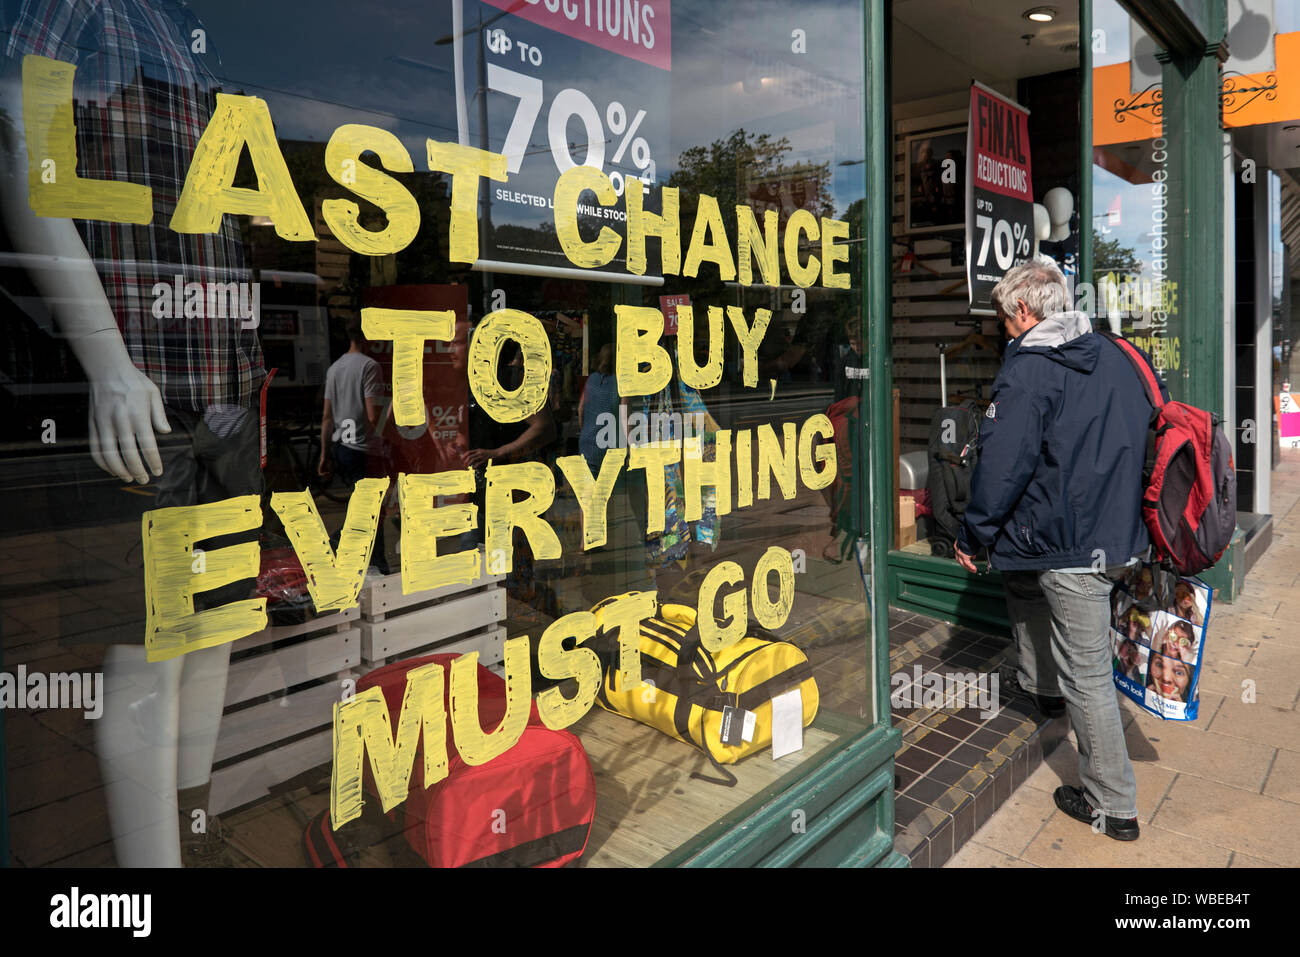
<point>125,410</point>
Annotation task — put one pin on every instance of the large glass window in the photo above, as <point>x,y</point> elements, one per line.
<point>388,260</point>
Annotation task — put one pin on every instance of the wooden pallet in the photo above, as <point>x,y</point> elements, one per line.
<point>454,619</point>
<point>280,691</point>
<point>283,681</point>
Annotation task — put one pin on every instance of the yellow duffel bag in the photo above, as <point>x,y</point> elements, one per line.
<point>689,692</point>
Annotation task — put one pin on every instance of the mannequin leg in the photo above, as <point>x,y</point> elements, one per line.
<point>136,740</point>
<point>203,692</point>
<point>202,695</point>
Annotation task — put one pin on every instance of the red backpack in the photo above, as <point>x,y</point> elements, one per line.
<point>543,788</point>
<point>530,807</point>
<point>1189,499</point>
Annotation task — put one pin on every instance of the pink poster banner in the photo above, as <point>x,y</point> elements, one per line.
<point>639,29</point>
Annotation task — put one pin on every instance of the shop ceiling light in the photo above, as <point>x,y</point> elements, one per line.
<point>1041,14</point>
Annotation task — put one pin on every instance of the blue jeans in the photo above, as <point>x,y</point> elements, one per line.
<point>352,466</point>
<point>1061,624</point>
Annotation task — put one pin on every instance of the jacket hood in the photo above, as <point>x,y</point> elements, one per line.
<point>1063,337</point>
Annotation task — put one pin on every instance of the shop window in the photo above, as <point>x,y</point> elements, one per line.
<point>420,216</point>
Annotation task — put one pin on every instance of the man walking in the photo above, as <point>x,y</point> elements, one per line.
<point>1056,499</point>
<point>354,388</point>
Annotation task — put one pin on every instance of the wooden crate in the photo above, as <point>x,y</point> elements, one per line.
<point>454,619</point>
<point>280,691</point>
<point>283,682</point>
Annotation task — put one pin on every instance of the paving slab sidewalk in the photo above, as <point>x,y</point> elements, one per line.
<point>1221,791</point>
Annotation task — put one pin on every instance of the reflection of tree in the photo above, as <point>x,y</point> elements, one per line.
<point>744,166</point>
<point>1109,255</point>
<point>755,170</point>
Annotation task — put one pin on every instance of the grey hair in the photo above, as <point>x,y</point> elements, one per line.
<point>1040,284</point>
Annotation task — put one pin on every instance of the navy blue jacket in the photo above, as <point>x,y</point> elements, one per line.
<point>1058,483</point>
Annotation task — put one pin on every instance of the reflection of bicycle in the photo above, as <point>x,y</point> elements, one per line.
<point>295,446</point>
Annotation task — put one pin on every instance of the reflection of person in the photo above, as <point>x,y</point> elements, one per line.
<point>1059,482</point>
<point>849,363</point>
<point>1185,604</point>
<point>843,414</point>
<point>954,192</point>
<point>599,396</point>
<point>1168,677</point>
<point>142,98</point>
<point>927,186</point>
<point>350,423</point>
<point>507,442</point>
<point>498,442</point>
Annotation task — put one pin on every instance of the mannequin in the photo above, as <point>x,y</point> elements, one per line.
<point>160,721</point>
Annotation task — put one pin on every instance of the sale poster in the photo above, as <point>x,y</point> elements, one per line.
<point>439,441</point>
<point>999,193</point>
<point>562,91</point>
<point>668,306</point>
<point>1288,418</point>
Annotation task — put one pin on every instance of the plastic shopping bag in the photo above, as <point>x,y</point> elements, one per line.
<point>1159,621</point>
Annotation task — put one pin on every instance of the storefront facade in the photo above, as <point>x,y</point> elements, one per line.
<point>462,330</point>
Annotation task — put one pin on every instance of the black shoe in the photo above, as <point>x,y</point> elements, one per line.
<point>1073,802</point>
<point>1051,705</point>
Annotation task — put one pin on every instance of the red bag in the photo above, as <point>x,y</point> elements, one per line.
<point>530,807</point>
<point>280,577</point>
<point>1189,498</point>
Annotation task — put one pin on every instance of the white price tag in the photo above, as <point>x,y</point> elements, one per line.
<point>787,723</point>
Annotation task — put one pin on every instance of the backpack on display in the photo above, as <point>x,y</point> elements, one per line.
<point>1189,484</point>
<point>954,433</point>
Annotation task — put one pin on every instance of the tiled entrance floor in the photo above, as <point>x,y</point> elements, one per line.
<point>962,756</point>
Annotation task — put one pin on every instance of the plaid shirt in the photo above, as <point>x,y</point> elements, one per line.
<point>142,100</point>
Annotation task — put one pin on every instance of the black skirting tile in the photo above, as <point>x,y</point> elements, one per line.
<point>1019,766</point>
<point>906,810</point>
<point>983,796</point>
<point>919,852</point>
<point>941,844</point>
<point>968,756</point>
<point>963,822</point>
<point>927,790</point>
<point>1002,785</point>
<point>917,759</point>
<point>986,739</point>
<point>938,743</point>
<point>903,777</point>
<point>956,727</point>
<point>966,660</point>
<point>947,772</point>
